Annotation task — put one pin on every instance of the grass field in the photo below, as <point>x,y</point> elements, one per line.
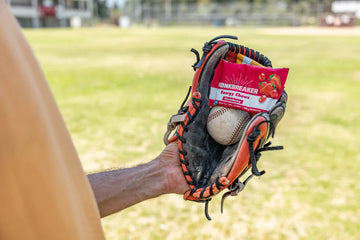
<point>117,88</point>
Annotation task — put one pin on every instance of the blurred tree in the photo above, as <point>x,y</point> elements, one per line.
<point>115,6</point>
<point>101,10</point>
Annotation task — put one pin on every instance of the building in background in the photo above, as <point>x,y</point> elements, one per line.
<point>52,13</point>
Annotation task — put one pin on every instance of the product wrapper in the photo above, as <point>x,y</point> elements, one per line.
<point>246,87</point>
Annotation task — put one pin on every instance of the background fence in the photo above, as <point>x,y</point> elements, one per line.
<point>274,13</point>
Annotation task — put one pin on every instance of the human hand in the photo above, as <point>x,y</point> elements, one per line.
<point>174,181</point>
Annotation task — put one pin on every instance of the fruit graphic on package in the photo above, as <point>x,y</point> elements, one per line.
<point>262,77</point>
<point>269,88</point>
<point>261,85</point>
<point>262,98</point>
<point>266,88</point>
<point>275,80</point>
<point>274,94</point>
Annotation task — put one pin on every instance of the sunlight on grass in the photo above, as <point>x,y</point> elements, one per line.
<point>117,88</point>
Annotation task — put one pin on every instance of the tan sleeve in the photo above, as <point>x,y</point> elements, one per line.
<point>44,192</point>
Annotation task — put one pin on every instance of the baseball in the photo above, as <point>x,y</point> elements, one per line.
<point>225,125</point>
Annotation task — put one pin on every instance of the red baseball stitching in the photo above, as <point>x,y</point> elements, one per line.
<point>218,113</point>
<point>238,129</point>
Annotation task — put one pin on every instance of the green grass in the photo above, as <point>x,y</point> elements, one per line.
<point>117,88</point>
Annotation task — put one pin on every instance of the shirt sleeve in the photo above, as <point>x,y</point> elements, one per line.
<point>44,192</point>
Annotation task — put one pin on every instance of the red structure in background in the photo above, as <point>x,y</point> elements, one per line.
<point>47,11</point>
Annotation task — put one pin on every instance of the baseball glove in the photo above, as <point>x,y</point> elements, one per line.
<point>210,167</point>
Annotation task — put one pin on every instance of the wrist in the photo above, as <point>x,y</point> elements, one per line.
<point>159,176</point>
<point>167,175</point>
<point>172,180</point>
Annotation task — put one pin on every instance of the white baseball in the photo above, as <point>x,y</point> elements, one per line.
<point>225,125</point>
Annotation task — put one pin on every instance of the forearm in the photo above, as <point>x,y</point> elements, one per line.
<point>118,189</point>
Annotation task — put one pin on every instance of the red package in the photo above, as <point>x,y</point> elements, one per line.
<point>246,87</point>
